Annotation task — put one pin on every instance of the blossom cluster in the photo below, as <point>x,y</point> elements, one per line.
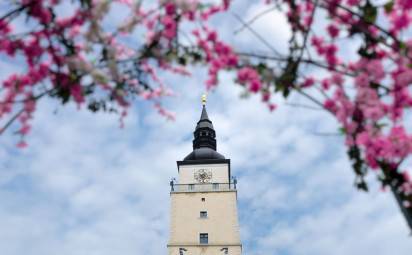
<point>218,55</point>
<point>75,58</point>
<point>371,95</point>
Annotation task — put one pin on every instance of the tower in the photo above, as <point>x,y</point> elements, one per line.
<point>204,199</point>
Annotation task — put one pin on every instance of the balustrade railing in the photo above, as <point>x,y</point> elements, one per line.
<point>199,187</point>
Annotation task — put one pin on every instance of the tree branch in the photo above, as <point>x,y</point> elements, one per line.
<point>304,106</point>
<point>9,14</point>
<point>257,35</point>
<point>307,61</point>
<point>8,123</point>
<point>255,18</point>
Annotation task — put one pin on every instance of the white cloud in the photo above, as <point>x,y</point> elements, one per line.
<point>84,186</point>
<point>359,226</point>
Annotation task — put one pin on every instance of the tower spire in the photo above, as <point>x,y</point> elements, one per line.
<point>204,135</point>
<point>204,142</point>
<point>204,99</point>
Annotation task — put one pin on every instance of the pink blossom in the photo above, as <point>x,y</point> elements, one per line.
<point>318,43</point>
<point>404,78</point>
<point>308,82</point>
<point>353,2</point>
<point>399,21</point>
<point>8,46</point>
<point>33,50</point>
<point>265,96</point>
<point>362,80</point>
<point>405,4</point>
<point>333,30</point>
<point>22,145</point>
<point>250,77</point>
<point>4,27</point>
<point>330,105</point>
<point>211,82</point>
<point>337,79</point>
<point>77,93</point>
<point>211,11</point>
<point>170,8</point>
<point>255,86</point>
<point>162,111</point>
<point>272,107</point>
<point>24,130</point>
<point>330,52</point>
<point>212,36</point>
<point>41,13</point>
<point>126,2</point>
<point>373,113</point>
<point>375,69</point>
<point>325,84</point>
<point>246,74</point>
<point>307,20</point>
<point>406,176</point>
<point>30,106</point>
<point>371,160</point>
<point>169,27</point>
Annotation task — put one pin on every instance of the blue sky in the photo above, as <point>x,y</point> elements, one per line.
<point>85,186</point>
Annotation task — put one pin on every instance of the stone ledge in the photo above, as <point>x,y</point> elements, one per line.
<point>203,245</point>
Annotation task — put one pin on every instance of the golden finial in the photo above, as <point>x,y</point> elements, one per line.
<point>204,99</point>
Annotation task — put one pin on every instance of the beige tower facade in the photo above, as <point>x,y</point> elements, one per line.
<point>204,218</point>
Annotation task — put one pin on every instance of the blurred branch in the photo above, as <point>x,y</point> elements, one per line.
<point>363,19</point>
<point>11,120</point>
<point>326,134</point>
<point>15,11</point>
<point>311,98</point>
<point>395,180</point>
<point>304,106</point>
<point>303,60</point>
<point>15,116</point>
<point>307,31</point>
<point>34,98</point>
<point>253,19</point>
<point>257,35</point>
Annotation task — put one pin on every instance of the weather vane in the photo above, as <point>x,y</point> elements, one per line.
<point>204,99</point>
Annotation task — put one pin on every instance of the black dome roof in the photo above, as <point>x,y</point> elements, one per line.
<point>204,153</point>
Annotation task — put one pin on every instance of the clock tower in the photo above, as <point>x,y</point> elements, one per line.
<point>204,199</point>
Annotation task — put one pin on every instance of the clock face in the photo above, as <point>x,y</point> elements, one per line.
<point>203,175</point>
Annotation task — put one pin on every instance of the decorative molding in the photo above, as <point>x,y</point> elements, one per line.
<point>209,191</point>
<point>204,245</point>
<point>203,175</point>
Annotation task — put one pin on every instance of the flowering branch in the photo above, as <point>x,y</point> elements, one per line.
<point>94,65</point>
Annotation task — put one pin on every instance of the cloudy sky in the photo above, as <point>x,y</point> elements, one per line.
<point>84,186</point>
